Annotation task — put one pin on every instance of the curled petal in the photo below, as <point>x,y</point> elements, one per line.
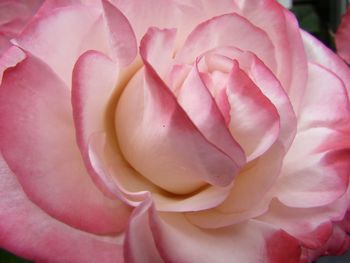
<point>254,119</point>
<point>38,143</point>
<point>121,35</point>
<point>227,30</point>
<point>195,98</point>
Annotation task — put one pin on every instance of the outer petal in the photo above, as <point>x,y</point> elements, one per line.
<point>316,169</point>
<point>249,242</point>
<point>323,106</point>
<point>342,37</point>
<point>296,221</point>
<point>337,245</point>
<point>13,17</point>
<point>29,232</point>
<point>320,54</point>
<point>183,15</point>
<point>71,24</point>
<point>37,140</point>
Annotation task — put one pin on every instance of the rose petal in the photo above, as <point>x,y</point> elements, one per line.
<point>157,41</point>
<point>37,140</point>
<point>254,119</point>
<point>342,37</point>
<point>10,59</point>
<point>28,232</point>
<point>315,170</point>
<point>318,53</point>
<point>70,24</point>
<point>272,89</point>
<point>323,106</point>
<point>201,108</point>
<point>296,221</point>
<point>249,196</point>
<point>139,246</point>
<point>180,14</point>
<point>313,175</point>
<point>122,38</point>
<point>93,73</point>
<point>247,242</point>
<point>227,30</point>
<point>282,29</point>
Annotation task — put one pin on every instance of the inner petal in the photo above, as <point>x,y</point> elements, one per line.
<point>255,121</point>
<point>159,141</point>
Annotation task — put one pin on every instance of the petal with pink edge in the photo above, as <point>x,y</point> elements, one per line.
<point>227,30</point>
<point>160,41</point>
<point>248,242</point>
<point>296,221</point>
<point>10,59</point>
<point>318,53</point>
<point>70,24</point>
<point>139,245</point>
<point>121,35</point>
<point>94,73</point>
<point>181,14</point>
<point>282,28</point>
<point>249,196</point>
<point>313,175</point>
<point>342,37</point>
<point>254,120</point>
<point>323,106</point>
<point>133,189</point>
<point>38,142</point>
<point>196,100</point>
<point>29,232</point>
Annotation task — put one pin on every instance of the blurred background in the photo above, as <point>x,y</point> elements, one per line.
<point>319,17</point>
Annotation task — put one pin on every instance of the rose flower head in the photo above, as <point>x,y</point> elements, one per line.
<point>192,131</point>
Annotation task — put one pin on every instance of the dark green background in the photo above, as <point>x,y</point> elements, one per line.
<point>319,17</point>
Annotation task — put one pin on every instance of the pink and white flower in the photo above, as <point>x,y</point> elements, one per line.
<point>172,131</point>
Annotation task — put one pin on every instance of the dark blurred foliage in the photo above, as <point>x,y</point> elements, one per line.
<point>320,18</point>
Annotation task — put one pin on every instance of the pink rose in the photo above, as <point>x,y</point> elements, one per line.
<point>342,37</point>
<point>172,131</point>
